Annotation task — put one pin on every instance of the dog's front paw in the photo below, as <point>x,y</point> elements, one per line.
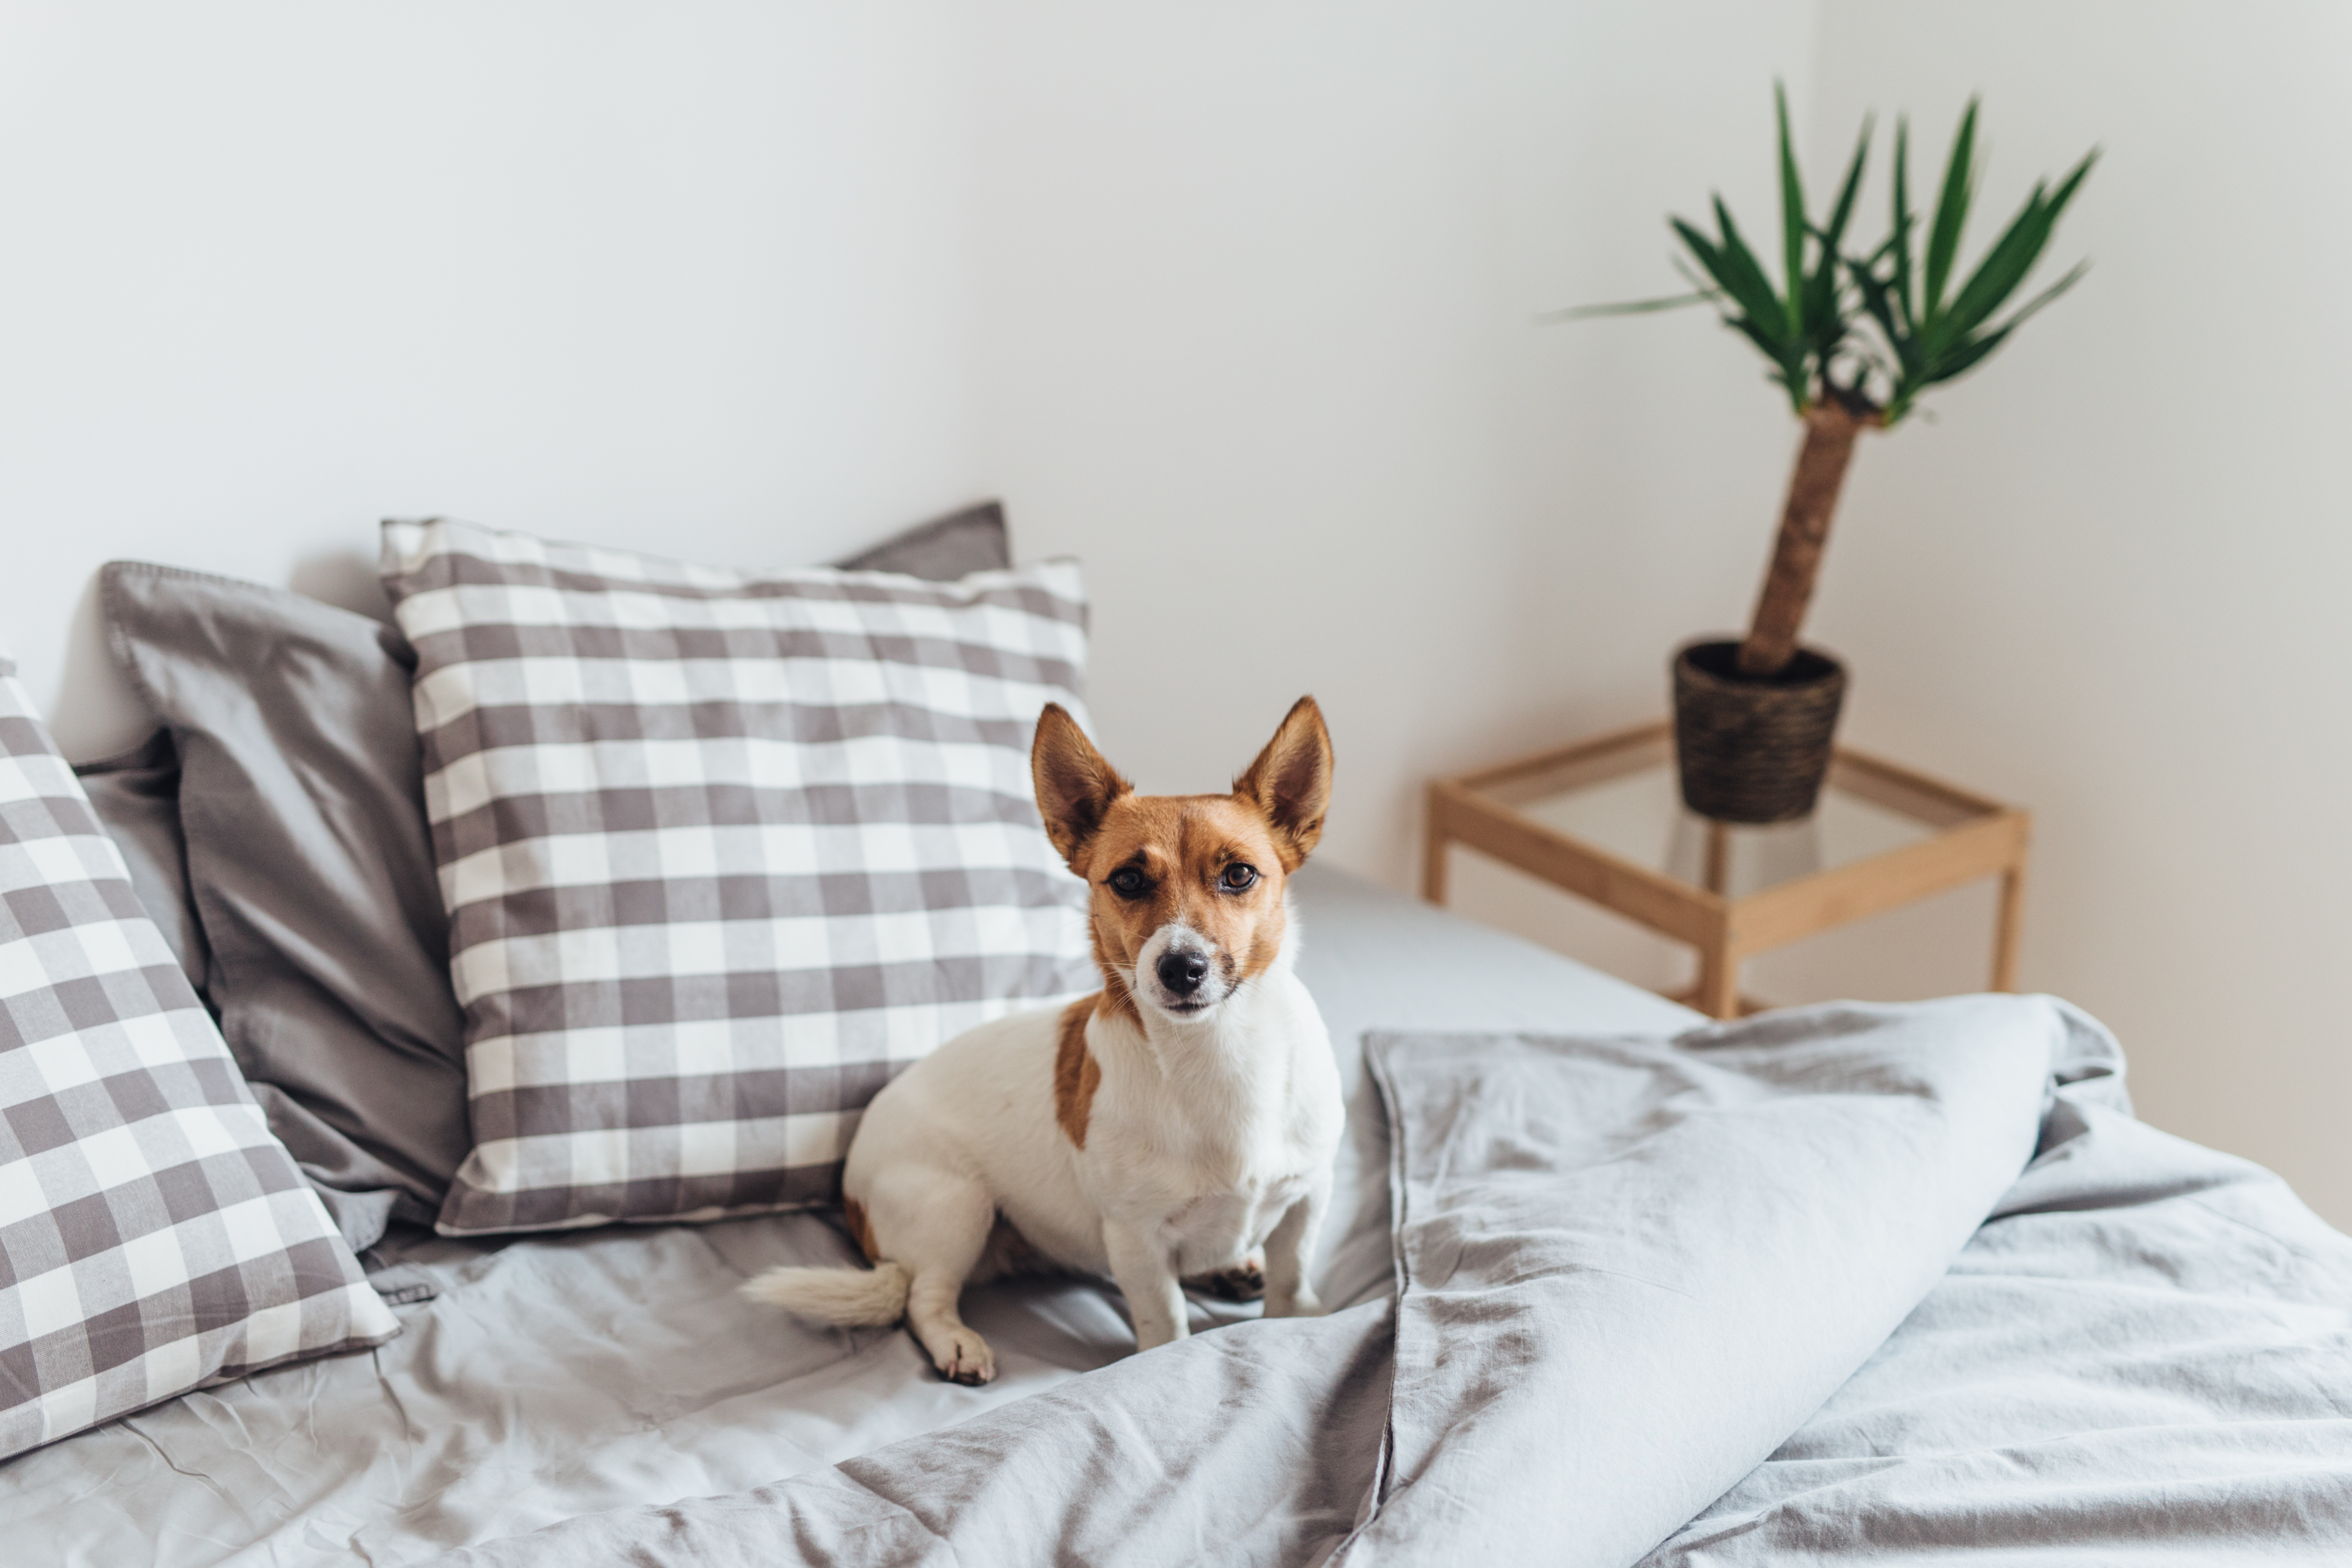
<point>1305,1304</point>
<point>965,1358</point>
<point>1242,1282</point>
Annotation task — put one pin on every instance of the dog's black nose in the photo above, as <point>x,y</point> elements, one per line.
<point>1182,973</point>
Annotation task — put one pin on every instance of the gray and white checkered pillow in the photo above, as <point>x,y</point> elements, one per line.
<point>722,851</point>
<point>155,1238</point>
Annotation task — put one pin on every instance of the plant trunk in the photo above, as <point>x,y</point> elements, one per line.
<point>1830,431</point>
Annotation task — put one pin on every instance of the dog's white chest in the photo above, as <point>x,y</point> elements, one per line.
<point>1212,1229</point>
<point>1207,1162</point>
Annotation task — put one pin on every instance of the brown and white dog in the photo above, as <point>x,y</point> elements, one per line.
<point>1168,1126</point>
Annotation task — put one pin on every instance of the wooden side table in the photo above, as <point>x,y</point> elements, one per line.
<point>1602,820</point>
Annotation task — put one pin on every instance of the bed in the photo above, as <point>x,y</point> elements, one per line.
<point>556,1376</point>
<point>1609,1284</point>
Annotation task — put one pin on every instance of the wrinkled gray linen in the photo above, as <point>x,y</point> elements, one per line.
<point>1639,1279</point>
<point>2144,1356</point>
<point>563,1374</point>
<point>1733,1300</point>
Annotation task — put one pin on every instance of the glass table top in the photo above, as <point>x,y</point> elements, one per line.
<point>1623,801</point>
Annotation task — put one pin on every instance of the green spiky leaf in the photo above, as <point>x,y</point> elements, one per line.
<point>1629,306</point>
<point>1826,323</point>
<point>1958,360</point>
<point>1997,276</point>
<point>1898,243</point>
<point>2012,257</point>
<point>1732,282</point>
<point>1879,299</point>
<point>1792,217</point>
<point>1951,212</point>
<point>1832,234</point>
<point>1742,275</point>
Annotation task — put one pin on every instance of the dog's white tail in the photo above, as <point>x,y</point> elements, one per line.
<point>852,1298</point>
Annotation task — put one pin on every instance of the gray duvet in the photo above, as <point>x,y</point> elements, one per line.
<point>1879,1284</point>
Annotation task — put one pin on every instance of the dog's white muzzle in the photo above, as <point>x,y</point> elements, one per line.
<point>1181,972</point>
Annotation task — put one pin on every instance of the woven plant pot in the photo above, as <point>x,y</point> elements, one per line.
<point>1752,750</point>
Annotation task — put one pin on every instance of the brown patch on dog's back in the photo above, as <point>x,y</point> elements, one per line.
<point>861,1228</point>
<point>1077,1075</point>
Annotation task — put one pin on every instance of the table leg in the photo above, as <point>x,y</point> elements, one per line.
<point>1718,982</point>
<point>1432,860</point>
<point>2005,926</point>
<point>1718,857</point>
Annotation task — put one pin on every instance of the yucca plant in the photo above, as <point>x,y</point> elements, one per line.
<point>1855,338</point>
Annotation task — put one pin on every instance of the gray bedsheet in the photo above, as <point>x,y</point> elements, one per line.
<point>1847,1283</point>
<point>558,1376</point>
<point>1878,1284</point>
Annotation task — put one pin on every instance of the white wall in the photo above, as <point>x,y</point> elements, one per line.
<point>1261,287</point>
<point>690,275</point>
<point>1234,300</point>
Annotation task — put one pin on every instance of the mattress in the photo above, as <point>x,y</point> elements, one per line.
<point>554,1376</point>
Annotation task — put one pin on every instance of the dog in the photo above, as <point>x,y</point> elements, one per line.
<point>1169,1125</point>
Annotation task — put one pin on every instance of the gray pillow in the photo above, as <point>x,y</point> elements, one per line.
<point>312,876</point>
<point>136,795</point>
<point>940,551</point>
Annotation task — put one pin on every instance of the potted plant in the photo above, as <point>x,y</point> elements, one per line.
<point>1853,340</point>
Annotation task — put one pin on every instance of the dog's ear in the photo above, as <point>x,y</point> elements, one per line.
<point>1291,782</point>
<point>1074,785</point>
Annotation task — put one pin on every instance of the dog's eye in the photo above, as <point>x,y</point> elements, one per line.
<point>1127,882</point>
<point>1238,877</point>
